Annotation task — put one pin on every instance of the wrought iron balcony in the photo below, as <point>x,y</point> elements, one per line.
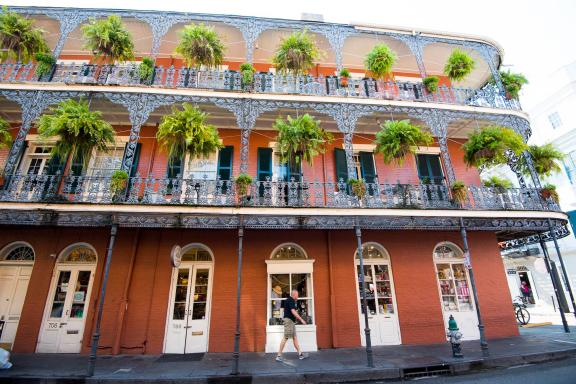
<point>292,194</point>
<point>185,78</point>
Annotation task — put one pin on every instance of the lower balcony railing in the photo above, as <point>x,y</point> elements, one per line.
<point>128,75</point>
<point>224,193</point>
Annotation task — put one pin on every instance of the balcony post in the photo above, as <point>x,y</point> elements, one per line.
<point>69,21</point>
<point>369,357</point>
<point>468,264</point>
<point>349,150</point>
<point>438,124</point>
<point>96,334</point>
<point>555,284</point>
<point>416,45</point>
<point>514,164</point>
<point>490,55</point>
<point>564,273</point>
<point>236,354</point>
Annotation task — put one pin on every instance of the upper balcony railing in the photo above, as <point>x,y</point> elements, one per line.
<point>294,194</point>
<point>329,86</point>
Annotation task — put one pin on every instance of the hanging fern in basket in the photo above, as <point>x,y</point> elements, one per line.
<point>398,138</point>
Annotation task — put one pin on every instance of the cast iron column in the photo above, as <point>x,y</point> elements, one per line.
<point>236,354</point>
<point>363,295</point>
<point>483,343</point>
<point>555,284</point>
<point>96,335</point>
<point>564,273</point>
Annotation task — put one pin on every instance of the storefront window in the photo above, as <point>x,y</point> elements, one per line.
<point>452,278</point>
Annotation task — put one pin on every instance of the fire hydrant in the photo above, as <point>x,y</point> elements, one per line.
<point>455,337</point>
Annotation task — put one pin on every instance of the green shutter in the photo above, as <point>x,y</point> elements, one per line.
<point>264,163</point>
<point>367,167</point>
<point>77,165</point>
<point>134,168</point>
<point>429,167</point>
<point>341,166</point>
<point>225,156</point>
<point>55,166</point>
<point>174,168</point>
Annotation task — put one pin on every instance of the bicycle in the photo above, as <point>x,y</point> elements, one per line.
<point>522,314</point>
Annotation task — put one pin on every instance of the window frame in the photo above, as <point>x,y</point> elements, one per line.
<point>451,261</point>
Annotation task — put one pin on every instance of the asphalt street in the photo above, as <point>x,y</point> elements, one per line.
<point>557,372</point>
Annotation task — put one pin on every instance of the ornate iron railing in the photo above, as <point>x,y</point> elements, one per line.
<point>204,192</point>
<point>128,75</point>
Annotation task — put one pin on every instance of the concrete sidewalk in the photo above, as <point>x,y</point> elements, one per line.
<point>336,365</point>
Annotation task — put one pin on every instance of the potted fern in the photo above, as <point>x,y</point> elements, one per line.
<point>513,83</point>
<point>108,40</point>
<point>459,65</point>
<point>344,75</point>
<point>301,138</point>
<point>548,191</point>
<point>243,182</point>
<point>200,46</point>
<point>380,60</point>
<point>358,187</point>
<point>146,70</point>
<point>296,54</point>
<point>118,184</point>
<point>247,75</point>
<point>487,147</point>
<point>499,184</point>
<point>79,130</point>
<point>458,190</point>
<point>186,131</point>
<point>545,159</point>
<point>19,39</point>
<point>431,83</point>
<point>44,65</point>
<point>398,138</point>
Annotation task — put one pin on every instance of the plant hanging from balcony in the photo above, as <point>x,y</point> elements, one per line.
<point>78,129</point>
<point>380,60</point>
<point>296,54</point>
<point>44,64</point>
<point>512,83</point>
<point>358,187</point>
<point>431,83</point>
<point>398,138</point>
<point>242,182</point>
<point>20,40</point>
<point>487,147</point>
<point>301,138</point>
<point>459,65</point>
<point>146,70</point>
<point>545,159</point>
<point>200,45</point>
<point>499,184</point>
<point>108,39</point>
<point>5,136</point>
<point>186,131</point>
<point>118,183</point>
<point>247,73</point>
<point>458,189</point>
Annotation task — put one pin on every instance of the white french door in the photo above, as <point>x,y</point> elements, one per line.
<point>14,281</point>
<point>65,314</point>
<point>189,311</point>
<point>381,304</point>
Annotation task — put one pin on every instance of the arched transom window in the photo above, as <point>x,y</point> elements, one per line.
<point>79,254</point>
<point>18,253</point>
<point>288,252</point>
<point>373,252</point>
<point>452,278</point>
<point>196,253</point>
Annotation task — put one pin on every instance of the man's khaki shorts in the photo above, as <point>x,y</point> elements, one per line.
<point>289,328</point>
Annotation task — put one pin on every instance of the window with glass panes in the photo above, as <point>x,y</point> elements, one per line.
<point>453,280</point>
<point>555,120</point>
<point>104,163</point>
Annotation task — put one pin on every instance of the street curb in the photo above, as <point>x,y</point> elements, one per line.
<point>336,376</point>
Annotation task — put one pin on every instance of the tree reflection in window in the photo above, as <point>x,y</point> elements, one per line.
<point>196,254</point>
<point>80,254</point>
<point>289,252</point>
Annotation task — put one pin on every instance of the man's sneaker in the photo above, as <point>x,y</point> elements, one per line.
<point>279,359</point>
<point>303,356</point>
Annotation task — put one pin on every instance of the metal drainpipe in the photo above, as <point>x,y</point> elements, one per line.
<point>564,273</point>
<point>483,343</point>
<point>236,354</point>
<point>369,356</point>
<point>555,284</point>
<point>96,335</point>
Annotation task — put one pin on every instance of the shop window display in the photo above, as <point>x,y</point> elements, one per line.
<point>452,278</point>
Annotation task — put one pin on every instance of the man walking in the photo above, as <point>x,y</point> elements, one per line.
<point>290,316</point>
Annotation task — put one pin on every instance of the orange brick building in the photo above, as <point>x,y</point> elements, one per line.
<point>174,239</point>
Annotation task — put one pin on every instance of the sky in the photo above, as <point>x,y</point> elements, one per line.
<point>537,35</point>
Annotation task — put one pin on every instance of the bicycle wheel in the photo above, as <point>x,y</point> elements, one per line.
<point>523,316</point>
